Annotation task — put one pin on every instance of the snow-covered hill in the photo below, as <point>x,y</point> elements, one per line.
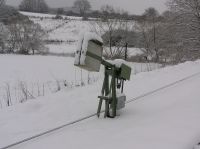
<point>66,32</point>
<point>166,119</point>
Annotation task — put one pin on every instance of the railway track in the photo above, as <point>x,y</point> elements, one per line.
<point>92,115</point>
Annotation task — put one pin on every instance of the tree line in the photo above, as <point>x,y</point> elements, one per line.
<point>171,37</point>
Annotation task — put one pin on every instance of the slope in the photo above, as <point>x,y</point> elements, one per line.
<point>151,122</point>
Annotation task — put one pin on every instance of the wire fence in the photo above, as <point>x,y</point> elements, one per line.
<point>94,114</point>
<point>22,91</point>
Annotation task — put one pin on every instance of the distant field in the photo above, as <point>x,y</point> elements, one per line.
<point>63,34</point>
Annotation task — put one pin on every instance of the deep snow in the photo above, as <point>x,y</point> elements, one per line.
<point>167,119</point>
<point>41,75</point>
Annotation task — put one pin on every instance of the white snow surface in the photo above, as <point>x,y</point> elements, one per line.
<point>40,75</point>
<point>43,15</point>
<point>197,147</point>
<point>37,68</point>
<point>168,119</point>
<point>63,48</point>
<point>118,62</point>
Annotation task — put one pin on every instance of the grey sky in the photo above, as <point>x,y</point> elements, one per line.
<point>132,6</point>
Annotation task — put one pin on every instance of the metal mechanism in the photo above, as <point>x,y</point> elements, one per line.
<point>110,86</point>
<point>114,78</point>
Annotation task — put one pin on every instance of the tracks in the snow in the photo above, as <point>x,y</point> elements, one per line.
<point>92,115</point>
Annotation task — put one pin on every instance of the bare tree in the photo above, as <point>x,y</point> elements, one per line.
<point>149,26</point>
<point>60,11</point>
<point>151,15</point>
<point>114,28</point>
<point>3,37</point>
<point>2,3</point>
<point>26,38</point>
<point>82,6</point>
<point>34,6</point>
<point>144,38</point>
<point>187,19</point>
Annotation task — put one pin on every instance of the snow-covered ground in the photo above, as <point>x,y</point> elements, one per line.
<point>38,75</point>
<point>70,31</point>
<point>43,75</point>
<point>168,119</point>
<point>66,30</point>
<point>43,15</point>
<point>64,48</point>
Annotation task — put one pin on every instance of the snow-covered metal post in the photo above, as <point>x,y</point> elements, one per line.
<point>89,56</point>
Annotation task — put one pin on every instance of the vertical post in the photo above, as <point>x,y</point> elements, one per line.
<point>114,98</point>
<point>122,87</point>
<point>125,58</point>
<point>82,78</point>
<point>106,93</point>
<point>106,82</point>
<point>102,93</point>
<point>126,51</point>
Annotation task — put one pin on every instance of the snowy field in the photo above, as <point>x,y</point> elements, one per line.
<point>55,92</point>
<point>63,48</point>
<point>168,119</point>
<point>66,32</point>
<point>27,77</point>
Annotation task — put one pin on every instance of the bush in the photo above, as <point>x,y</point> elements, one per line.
<point>26,38</point>
<point>34,6</point>
<point>3,37</point>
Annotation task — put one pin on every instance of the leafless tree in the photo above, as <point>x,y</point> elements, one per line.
<point>114,27</point>
<point>26,38</point>
<point>151,15</point>
<point>148,27</point>
<point>187,21</point>
<point>3,37</point>
<point>34,6</point>
<point>82,6</point>
<point>2,3</point>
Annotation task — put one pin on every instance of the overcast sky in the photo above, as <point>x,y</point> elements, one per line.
<point>132,6</point>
